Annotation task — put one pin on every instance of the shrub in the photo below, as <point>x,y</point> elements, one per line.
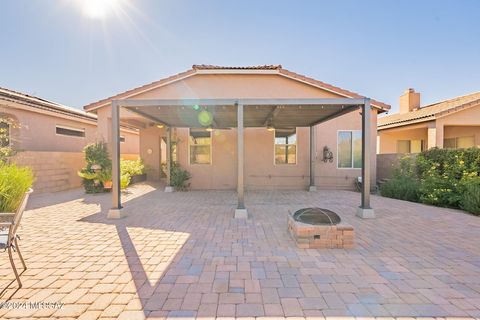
<point>179,177</point>
<point>470,198</point>
<point>404,184</point>
<point>132,167</point>
<point>14,182</point>
<point>443,173</point>
<point>441,177</point>
<point>96,154</point>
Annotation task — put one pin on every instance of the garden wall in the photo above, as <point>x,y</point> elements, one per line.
<point>55,171</point>
<point>386,163</point>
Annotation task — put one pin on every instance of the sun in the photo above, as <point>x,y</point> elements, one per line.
<point>98,9</point>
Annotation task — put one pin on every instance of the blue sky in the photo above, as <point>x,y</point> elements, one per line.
<point>376,48</point>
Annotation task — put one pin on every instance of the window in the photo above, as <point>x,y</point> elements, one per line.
<point>200,144</point>
<point>72,132</point>
<point>459,142</point>
<point>410,146</point>
<point>4,134</point>
<point>122,139</point>
<point>286,146</point>
<point>349,149</point>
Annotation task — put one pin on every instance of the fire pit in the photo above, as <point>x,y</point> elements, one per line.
<point>319,228</point>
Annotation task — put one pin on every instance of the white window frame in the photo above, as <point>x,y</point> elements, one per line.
<point>70,128</point>
<point>281,144</point>
<point>352,167</point>
<point>211,150</point>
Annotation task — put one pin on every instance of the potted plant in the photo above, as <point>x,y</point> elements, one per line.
<point>105,177</point>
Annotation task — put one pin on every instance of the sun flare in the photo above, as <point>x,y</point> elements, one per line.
<point>98,9</point>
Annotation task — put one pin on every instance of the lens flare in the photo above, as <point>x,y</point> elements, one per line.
<point>205,118</point>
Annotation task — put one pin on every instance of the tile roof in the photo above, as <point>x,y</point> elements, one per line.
<point>39,103</point>
<point>215,67</point>
<point>429,112</point>
<point>195,67</point>
<point>42,104</point>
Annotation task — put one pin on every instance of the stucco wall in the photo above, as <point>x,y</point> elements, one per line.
<point>388,138</point>
<point>260,170</point>
<point>37,132</point>
<point>54,171</point>
<point>327,174</point>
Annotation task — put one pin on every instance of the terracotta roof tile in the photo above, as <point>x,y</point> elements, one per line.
<point>39,103</point>
<point>215,67</point>
<point>429,112</point>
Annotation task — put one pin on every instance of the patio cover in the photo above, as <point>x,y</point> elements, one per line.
<point>240,114</point>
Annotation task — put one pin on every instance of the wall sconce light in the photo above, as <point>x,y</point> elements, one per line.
<point>327,155</point>
<point>160,126</point>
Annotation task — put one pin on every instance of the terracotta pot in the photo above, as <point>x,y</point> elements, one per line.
<point>107,184</point>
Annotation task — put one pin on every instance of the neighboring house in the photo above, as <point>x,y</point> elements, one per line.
<point>275,156</point>
<point>50,138</point>
<point>453,123</point>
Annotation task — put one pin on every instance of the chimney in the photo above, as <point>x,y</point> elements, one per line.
<point>409,101</point>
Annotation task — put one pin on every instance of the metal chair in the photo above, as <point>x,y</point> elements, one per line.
<point>9,240</point>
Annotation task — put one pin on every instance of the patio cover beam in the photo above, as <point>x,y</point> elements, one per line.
<point>365,211</point>
<point>115,211</point>
<point>313,152</point>
<point>168,187</point>
<point>240,212</point>
<point>232,102</point>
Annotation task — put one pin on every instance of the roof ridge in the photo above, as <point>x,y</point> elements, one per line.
<point>430,111</point>
<point>449,100</point>
<point>254,67</point>
<point>195,67</point>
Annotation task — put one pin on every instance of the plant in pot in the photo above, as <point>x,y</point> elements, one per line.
<point>105,177</point>
<point>98,164</point>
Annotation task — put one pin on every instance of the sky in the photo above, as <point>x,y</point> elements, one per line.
<point>61,51</point>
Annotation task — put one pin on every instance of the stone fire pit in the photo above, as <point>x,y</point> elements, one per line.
<point>314,228</point>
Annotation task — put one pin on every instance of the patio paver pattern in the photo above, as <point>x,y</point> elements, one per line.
<point>183,255</point>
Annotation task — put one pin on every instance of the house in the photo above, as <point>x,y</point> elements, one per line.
<point>50,137</point>
<point>199,105</point>
<point>453,123</point>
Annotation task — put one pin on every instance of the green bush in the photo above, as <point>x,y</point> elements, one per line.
<point>470,198</point>
<point>179,177</point>
<point>404,184</point>
<point>96,154</point>
<point>440,177</point>
<point>132,167</point>
<point>14,182</point>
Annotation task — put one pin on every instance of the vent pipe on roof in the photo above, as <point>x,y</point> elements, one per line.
<point>409,101</point>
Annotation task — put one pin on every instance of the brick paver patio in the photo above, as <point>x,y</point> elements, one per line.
<point>182,255</point>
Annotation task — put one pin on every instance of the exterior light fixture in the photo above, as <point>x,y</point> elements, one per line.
<point>209,129</point>
<point>160,126</point>
<point>270,128</point>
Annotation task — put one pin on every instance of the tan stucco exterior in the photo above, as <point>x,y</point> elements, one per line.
<point>35,130</point>
<point>260,169</point>
<point>455,124</point>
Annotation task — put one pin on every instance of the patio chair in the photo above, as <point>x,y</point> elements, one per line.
<point>9,224</point>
